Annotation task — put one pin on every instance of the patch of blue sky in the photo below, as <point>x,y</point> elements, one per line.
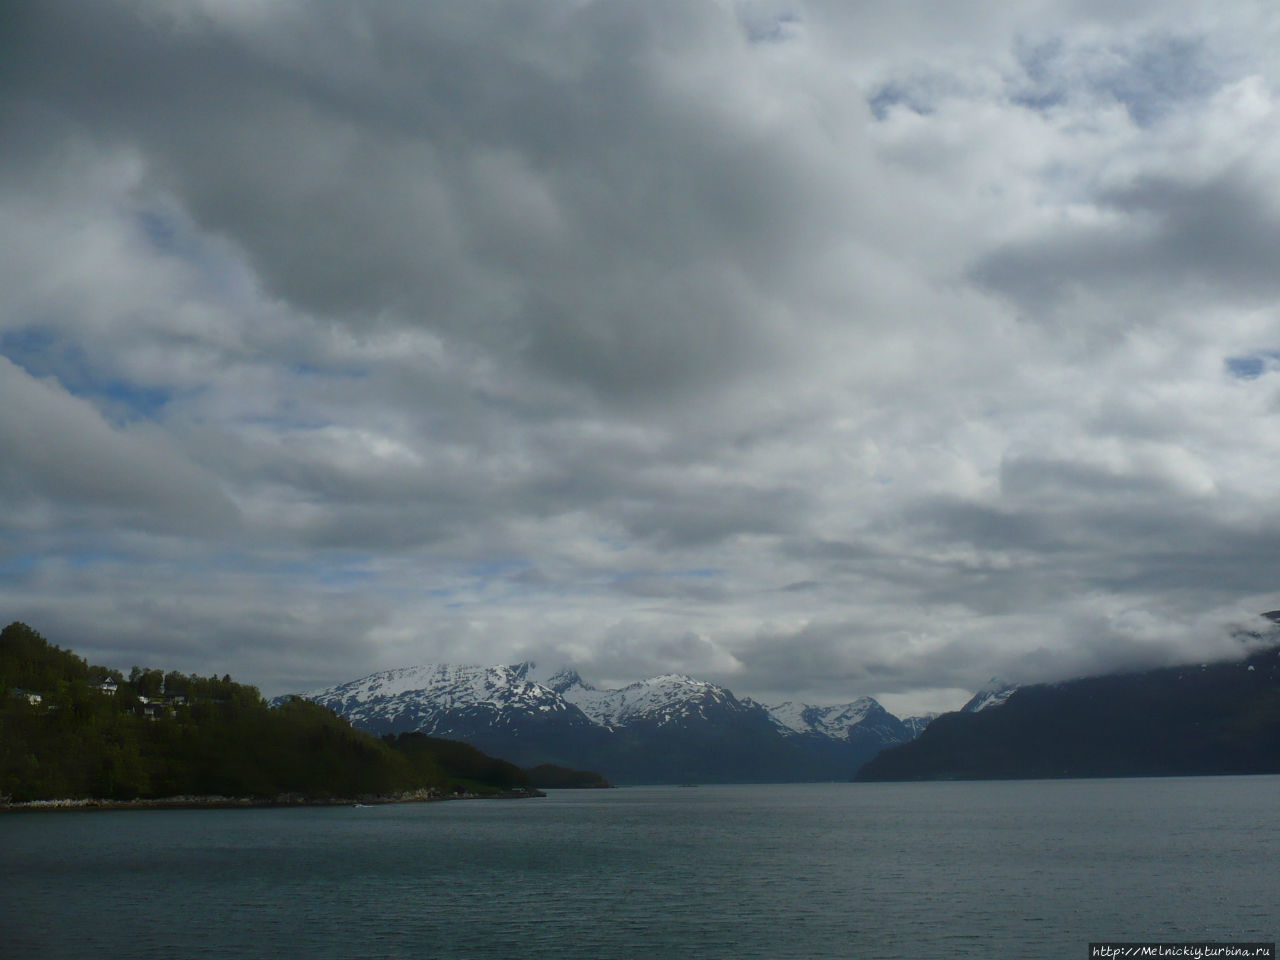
<point>1148,79</point>
<point>316,371</point>
<point>1252,366</point>
<point>20,564</point>
<point>41,352</point>
<point>221,275</point>
<point>139,401</point>
<point>29,347</point>
<point>160,230</point>
<point>921,93</point>
<point>917,96</point>
<point>167,232</point>
<point>1040,99</point>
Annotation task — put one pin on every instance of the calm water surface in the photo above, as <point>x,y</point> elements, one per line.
<point>938,870</point>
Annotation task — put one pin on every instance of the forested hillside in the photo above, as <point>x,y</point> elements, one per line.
<point>72,730</point>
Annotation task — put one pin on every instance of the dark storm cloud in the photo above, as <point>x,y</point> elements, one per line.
<point>1182,550</point>
<point>1222,234</point>
<point>573,214</point>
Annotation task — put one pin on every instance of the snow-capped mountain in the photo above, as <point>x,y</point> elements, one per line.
<point>996,692</point>
<point>661,701</point>
<point>666,728</point>
<point>446,699</point>
<point>863,718</point>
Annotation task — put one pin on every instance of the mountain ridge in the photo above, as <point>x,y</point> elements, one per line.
<point>668,728</point>
<point>1199,719</point>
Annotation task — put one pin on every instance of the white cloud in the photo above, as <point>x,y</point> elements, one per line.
<point>829,350</point>
<point>64,466</point>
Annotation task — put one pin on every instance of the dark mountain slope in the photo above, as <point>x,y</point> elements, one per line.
<point>1221,718</point>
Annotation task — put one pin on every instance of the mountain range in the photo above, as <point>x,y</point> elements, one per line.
<point>1199,719</point>
<point>667,729</point>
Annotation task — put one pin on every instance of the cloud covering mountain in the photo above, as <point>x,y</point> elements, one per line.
<point>816,349</point>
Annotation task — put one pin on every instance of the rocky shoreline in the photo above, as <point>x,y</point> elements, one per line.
<point>283,800</point>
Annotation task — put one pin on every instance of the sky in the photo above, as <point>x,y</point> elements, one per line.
<point>814,348</point>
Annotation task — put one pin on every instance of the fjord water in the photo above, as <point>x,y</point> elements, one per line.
<point>993,869</point>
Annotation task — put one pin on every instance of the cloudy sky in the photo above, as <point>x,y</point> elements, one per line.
<point>817,348</point>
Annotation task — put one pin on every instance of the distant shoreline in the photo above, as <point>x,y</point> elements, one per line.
<point>215,802</point>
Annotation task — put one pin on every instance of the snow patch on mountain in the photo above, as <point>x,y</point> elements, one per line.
<point>996,692</point>
<point>916,725</point>
<point>437,688</point>
<point>662,700</point>
<point>444,697</point>
<point>833,721</point>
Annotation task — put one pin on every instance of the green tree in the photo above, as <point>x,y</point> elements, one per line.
<point>148,683</point>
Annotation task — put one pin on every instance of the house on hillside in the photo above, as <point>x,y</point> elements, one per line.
<point>154,709</point>
<point>108,686</point>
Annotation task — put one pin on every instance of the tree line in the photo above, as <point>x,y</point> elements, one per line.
<point>63,735</point>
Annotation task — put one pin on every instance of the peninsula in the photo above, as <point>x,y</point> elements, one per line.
<point>74,735</point>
